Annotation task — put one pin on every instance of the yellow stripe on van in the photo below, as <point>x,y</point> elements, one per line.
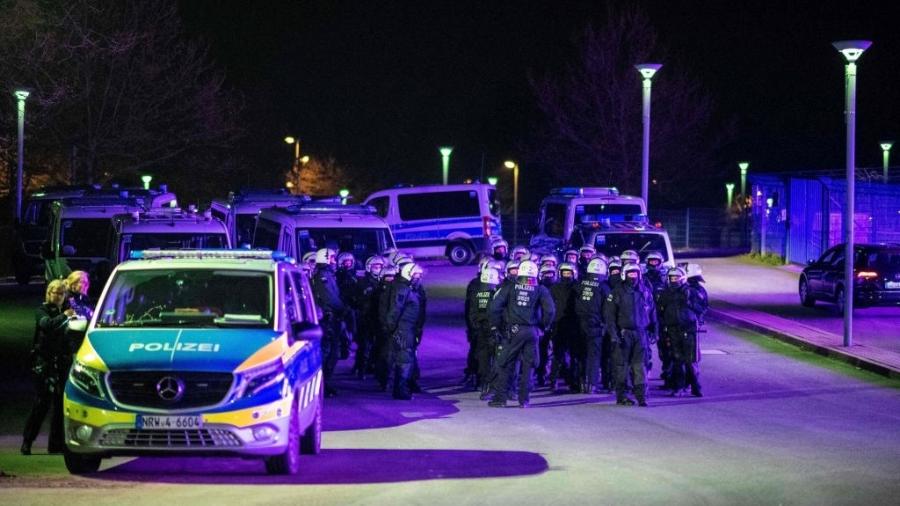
<point>88,356</point>
<point>266,354</point>
<point>96,417</point>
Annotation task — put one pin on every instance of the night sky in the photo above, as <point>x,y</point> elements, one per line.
<point>380,85</point>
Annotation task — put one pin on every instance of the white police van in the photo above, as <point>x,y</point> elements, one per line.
<point>239,210</point>
<point>565,211</point>
<point>200,352</point>
<point>297,230</point>
<point>612,238</point>
<point>166,229</point>
<point>456,221</point>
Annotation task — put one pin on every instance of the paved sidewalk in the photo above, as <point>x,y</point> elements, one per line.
<point>764,299</point>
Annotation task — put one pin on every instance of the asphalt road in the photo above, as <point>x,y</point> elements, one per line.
<point>774,290</point>
<point>777,426</point>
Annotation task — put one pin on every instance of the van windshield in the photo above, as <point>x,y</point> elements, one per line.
<point>613,244</point>
<point>616,212</point>
<point>362,242</point>
<point>187,298</point>
<point>138,242</point>
<point>84,237</point>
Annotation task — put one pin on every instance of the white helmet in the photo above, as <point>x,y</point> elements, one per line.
<point>549,269</point>
<point>630,256</point>
<point>389,271</point>
<point>695,271</point>
<point>597,266</point>
<point>568,267</point>
<point>520,253</point>
<point>631,268</point>
<point>309,257</point>
<point>490,276</point>
<point>372,262</point>
<point>528,269</point>
<point>325,256</point>
<point>409,271</point>
<point>346,256</point>
<point>549,259</point>
<point>401,259</point>
<point>678,274</point>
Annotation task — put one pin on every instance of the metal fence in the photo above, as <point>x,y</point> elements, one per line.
<point>798,218</point>
<point>705,229</point>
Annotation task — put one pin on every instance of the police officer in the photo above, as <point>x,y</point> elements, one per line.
<point>403,324</point>
<point>585,255</point>
<point>520,253</point>
<point>694,278</point>
<point>630,316</point>
<point>78,283</point>
<point>368,323</point>
<point>550,260</point>
<point>590,295</point>
<point>614,270</point>
<point>382,367</point>
<point>655,272</point>
<point>471,371</point>
<point>328,298</point>
<point>308,265</point>
<point>347,285</point>
<point>570,256</point>
<point>499,249</point>
<point>565,328</point>
<point>479,317</point>
<point>51,357</point>
<point>680,309</point>
<point>526,308</point>
<point>548,275</point>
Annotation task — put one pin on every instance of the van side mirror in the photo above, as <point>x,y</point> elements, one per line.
<point>306,331</point>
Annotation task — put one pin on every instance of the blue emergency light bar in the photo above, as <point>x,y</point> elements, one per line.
<point>211,254</point>
<point>589,191</point>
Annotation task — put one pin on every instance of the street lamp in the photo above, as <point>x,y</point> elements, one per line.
<point>509,164</point>
<point>647,70</point>
<point>729,189</point>
<point>445,160</point>
<point>295,167</point>
<point>344,193</point>
<point>21,95</point>
<point>852,50</point>
<point>146,178</point>
<point>492,180</point>
<point>886,154</point>
<point>744,166</point>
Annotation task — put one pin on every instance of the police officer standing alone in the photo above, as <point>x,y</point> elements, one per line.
<point>630,315</point>
<point>590,295</point>
<point>328,298</point>
<point>680,309</point>
<point>404,321</point>
<point>527,308</point>
<point>50,355</point>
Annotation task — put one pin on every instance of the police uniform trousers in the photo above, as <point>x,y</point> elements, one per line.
<point>593,342</point>
<point>331,346</point>
<point>685,360</point>
<point>485,346</point>
<point>49,382</point>
<point>403,362</point>
<point>629,357</point>
<point>521,345</point>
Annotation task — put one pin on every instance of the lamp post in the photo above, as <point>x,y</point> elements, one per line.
<point>744,166</point>
<point>886,155</point>
<point>344,193</point>
<point>445,160</point>
<point>647,70</point>
<point>492,180</point>
<point>509,164</point>
<point>729,190</point>
<point>146,178</point>
<point>852,50</point>
<point>295,166</point>
<point>21,95</point>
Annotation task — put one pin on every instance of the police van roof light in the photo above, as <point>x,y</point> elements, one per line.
<point>201,254</point>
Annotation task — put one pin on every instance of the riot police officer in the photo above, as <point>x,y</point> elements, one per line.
<point>328,298</point>
<point>571,257</point>
<point>526,308</point>
<point>520,253</point>
<point>614,269</point>
<point>51,357</point>
<point>499,249</point>
<point>382,350</point>
<point>590,295</point>
<point>347,286</point>
<point>565,328</point>
<point>403,324</point>
<point>471,371</point>
<point>630,315</point>
<point>655,272</point>
<point>548,274</point>
<point>585,255</point>
<point>478,315</point>
<point>680,309</point>
<point>368,323</point>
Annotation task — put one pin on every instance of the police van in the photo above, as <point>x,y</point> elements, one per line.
<point>456,221</point>
<point>80,231</point>
<point>298,230</point>
<point>239,210</point>
<point>565,211</point>
<point>167,228</point>
<point>203,352</point>
<point>612,238</point>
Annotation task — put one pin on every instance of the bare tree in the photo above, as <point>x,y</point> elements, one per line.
<point>116,86</point>
<point>592,134</point>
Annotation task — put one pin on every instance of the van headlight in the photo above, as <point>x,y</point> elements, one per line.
<point>260,378</point>
<point>87,379</point>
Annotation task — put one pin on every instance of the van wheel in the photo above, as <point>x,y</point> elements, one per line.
<point>311,442</point>
<point>81,464</point>
<point>460,253</point>
<point>289,461</point>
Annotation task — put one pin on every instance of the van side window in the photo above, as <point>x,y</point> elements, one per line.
<point>554,220</point>
<point>430,206</point>
<point>381,206</point>
<point>290,299</point>
<point>305,300</point>
<point>266,235</point>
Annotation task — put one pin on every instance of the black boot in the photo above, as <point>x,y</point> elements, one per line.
<point>26,448</point>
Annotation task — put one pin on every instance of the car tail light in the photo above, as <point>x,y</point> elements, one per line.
<point>867,275</point>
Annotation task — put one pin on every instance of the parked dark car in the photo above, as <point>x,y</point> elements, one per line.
<point>876,275</point>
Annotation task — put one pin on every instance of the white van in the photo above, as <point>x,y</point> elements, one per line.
<point>456,221</point>
<point>165,229</point>
<point>297,230</point>
<point>238,211</point>
<point>566,211</point>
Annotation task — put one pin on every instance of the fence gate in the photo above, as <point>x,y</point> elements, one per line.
<point>806,220</point>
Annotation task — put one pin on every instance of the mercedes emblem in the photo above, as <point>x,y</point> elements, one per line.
<point>170,388</point>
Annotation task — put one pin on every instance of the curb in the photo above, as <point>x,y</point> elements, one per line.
<point>850,358</point>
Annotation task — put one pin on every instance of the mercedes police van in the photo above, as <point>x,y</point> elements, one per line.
<point>298,230</point>
<point>456,221</point>
<point>80,231</point>
<point>239,210</point>
<point>565,211</point>
<point>166,228</point>
<point>203,352</point>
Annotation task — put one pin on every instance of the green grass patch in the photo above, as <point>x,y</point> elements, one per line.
<point>763,259</point>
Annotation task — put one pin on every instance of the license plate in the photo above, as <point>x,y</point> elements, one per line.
<point>169,422</point>
<point>892,285</point>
